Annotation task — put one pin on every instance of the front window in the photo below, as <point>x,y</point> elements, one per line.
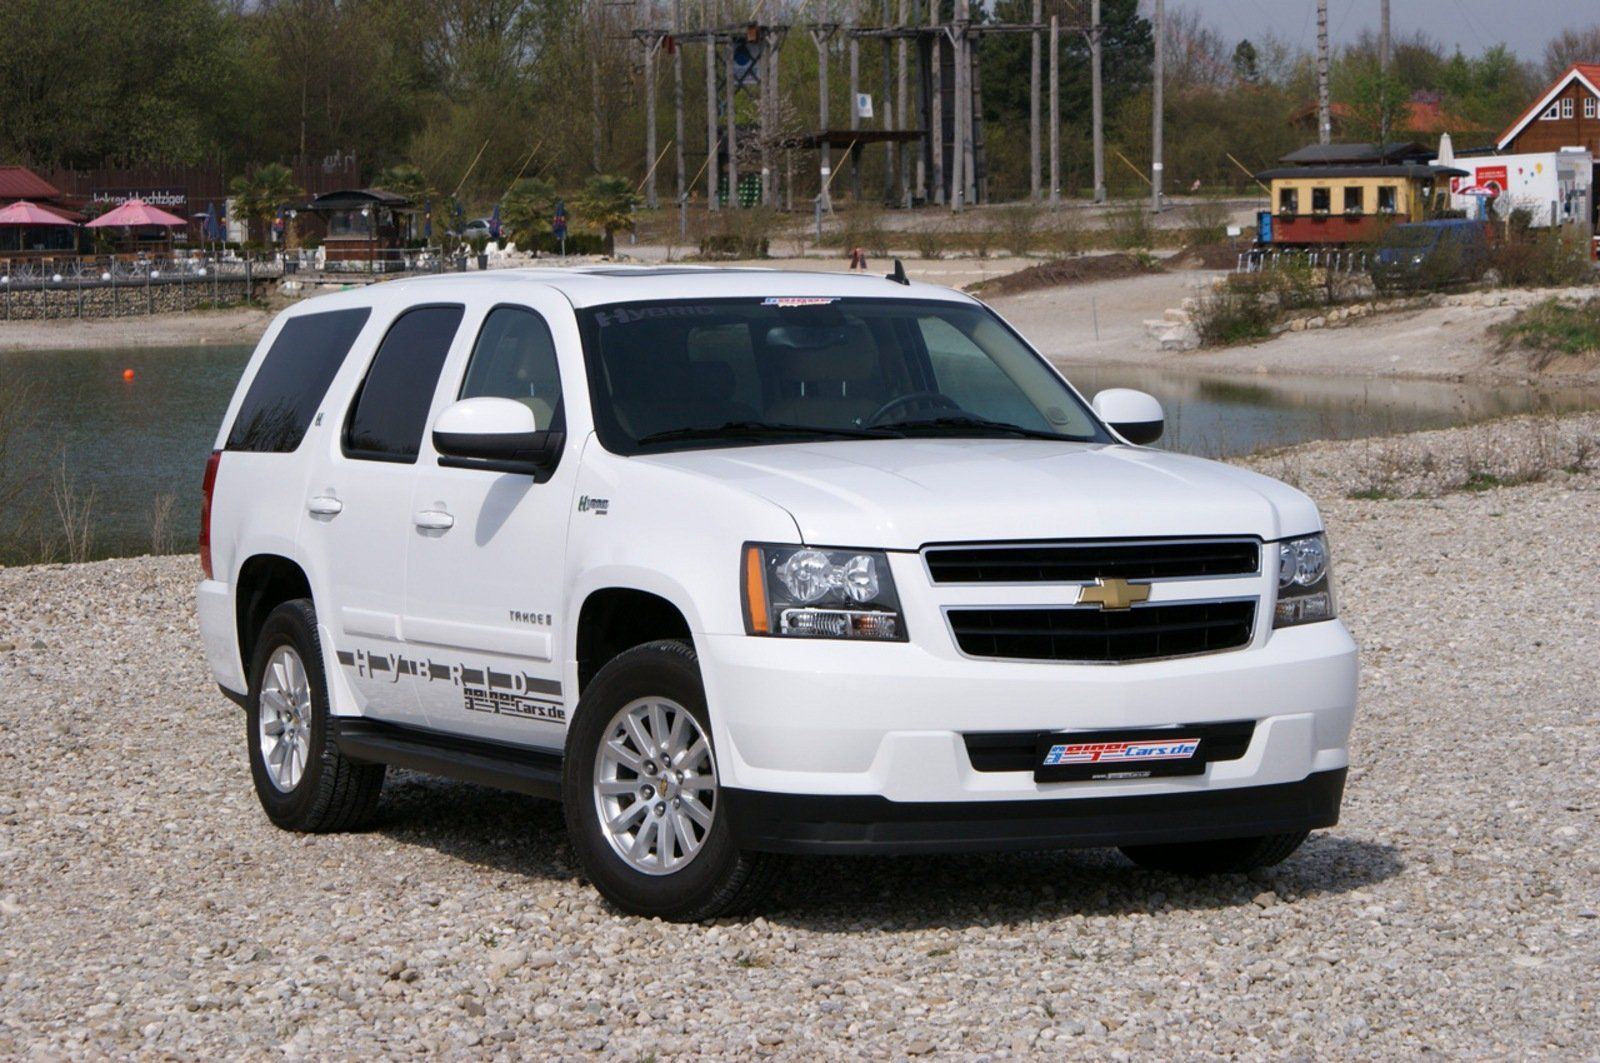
<point>726,372</point>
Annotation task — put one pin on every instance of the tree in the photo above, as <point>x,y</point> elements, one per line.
<point>527,209</point>
<point>1571,46</point>
<point>1246,64</point>
<point>406,179</point>
<point>258,196</point>
<point>607,202</point>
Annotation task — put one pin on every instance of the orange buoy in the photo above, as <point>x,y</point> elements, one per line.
<point>127,374</point>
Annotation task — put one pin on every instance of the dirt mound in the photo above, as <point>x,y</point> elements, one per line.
<point>1085,269</point>
<point>1221,255</point>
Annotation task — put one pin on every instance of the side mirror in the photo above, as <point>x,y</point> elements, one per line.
<point>492,433</point>
<point>1134,415</point>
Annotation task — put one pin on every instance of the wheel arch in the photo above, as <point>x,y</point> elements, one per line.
<point>265,581</point>
<point>614,619</point>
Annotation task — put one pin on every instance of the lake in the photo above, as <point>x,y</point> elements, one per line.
<point>140,445</point>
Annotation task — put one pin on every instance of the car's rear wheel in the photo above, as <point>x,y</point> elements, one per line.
<point>302,780</point>
<point>1216,857</point>
<point>642,797</point>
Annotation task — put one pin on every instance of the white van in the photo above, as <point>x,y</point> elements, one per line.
<point>739,563</point>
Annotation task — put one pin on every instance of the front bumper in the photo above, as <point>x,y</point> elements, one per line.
<point>888,721</point>
<point>813,825</point>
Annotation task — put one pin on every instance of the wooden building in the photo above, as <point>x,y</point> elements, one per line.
<point>1334,195</point>
<point>362,228</point>
<point>1566,115</point>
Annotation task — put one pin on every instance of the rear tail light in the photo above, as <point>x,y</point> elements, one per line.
<point>206,488</point>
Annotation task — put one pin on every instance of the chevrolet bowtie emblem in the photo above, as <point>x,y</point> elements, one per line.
<point>1114,594</point>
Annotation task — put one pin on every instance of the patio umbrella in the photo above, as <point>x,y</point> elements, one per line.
<point>494,222</point>
<point>136,212</point>
<point>212,227</point>
<point>28,215</point>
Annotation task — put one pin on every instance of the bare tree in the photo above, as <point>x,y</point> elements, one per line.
<point>1571,46</point>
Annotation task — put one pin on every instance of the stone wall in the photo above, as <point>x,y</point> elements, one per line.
<point>131,298</point>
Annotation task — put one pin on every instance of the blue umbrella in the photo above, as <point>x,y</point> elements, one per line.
<point>427,220</point>
<point>494,222</point>
<point>212,227</point>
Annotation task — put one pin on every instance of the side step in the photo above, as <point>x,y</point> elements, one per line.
<point>523,771</point>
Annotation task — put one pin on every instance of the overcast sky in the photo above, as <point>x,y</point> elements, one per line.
<point>1523,25</point>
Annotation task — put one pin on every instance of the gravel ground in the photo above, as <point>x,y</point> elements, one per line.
<point>147,908</point>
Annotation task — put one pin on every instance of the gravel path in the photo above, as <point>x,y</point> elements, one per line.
<point>147,908</point>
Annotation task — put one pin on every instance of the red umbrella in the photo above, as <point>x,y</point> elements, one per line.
<point>23,213</point>
<point>136,212</point>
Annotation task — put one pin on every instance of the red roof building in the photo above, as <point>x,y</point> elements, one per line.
<point>1566,115</point>
<point>20,183</point>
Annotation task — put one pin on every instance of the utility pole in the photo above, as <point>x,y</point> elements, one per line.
<point>936,104</point>
<point>819,36</point>
<point>712,172</point>
<point>855,108</point>
<point>733,132</point>
<point>1097,103</point>
<point>960,97</point>
<point>890,148</point>
<point>651,43</point>
<point>677,109</point>
<point>1383,73</point>
<point>1324,121</point>
<point>1033,107</point>
<point>1156,116</point>
<point>901,103</point>
<point>1055,113</point>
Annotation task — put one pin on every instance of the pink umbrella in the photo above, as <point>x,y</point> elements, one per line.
<point>136,212</point>
<point>23,213</point>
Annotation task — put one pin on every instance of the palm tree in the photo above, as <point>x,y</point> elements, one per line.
<point>404,179</point>
<point>258,196</point>
<point>527,209</point>
<point>608,201</point>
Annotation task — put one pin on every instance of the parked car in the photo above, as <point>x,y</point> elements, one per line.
<point>477,227</point>
<point>1431,254</point>
<point>740,563</point>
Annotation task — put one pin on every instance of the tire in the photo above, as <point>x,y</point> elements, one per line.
<point>716,878</point>
<point>1220,857</point>
<point>329,792</point>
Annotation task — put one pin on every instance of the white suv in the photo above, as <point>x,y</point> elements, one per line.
<point>739,563</point>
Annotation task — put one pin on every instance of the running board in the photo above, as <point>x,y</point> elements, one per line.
<point>523,771</point>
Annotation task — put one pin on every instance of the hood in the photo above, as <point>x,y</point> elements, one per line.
<point>902,494</point>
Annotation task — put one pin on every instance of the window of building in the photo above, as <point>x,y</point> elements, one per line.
<point>1321,200</point>
<point>1552,112</point>
<point>1588,106</point>
<point>1388,199</point>
<point>1288,201</point>
<point>515,358</point>
<point>1566,107</point>
<point>1354,199</point>
<point>292,380</point>
<point>391,410</point>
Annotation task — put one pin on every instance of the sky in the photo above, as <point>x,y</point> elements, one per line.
<point>1522,25</point>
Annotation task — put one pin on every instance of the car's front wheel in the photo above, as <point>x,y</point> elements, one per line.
<point>642,797</point>
<point>1216,857</point>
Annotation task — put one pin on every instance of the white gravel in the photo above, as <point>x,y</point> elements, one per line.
<point>148,909</point>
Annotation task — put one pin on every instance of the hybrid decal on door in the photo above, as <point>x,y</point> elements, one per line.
<point>482,689</point>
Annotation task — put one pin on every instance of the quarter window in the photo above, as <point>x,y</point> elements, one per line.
<point>1288,201</point>
<point>391,410</point>
<point>1353,199</point>
<point>292,380</point>
<point>515,358</point>
<point>1551,113</point>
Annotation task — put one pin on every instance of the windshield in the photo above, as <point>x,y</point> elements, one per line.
<point>728,372</point>
<point>1412,236</point>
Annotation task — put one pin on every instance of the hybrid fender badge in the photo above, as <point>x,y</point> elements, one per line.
<point>1113,594</point>
<point>598,506</point>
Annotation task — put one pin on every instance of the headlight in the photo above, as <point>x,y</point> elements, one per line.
<point>1305,582</point>
<point>807,592</point>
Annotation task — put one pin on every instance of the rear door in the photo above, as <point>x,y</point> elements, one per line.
<point>358,505</point>
<point>485,569</point>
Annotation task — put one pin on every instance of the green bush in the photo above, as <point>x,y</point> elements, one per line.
<point>1233,316</point>
<point>1542,258</point>
<point>1552,328</point>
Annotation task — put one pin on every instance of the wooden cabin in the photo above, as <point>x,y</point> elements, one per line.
<point>1340,194</point>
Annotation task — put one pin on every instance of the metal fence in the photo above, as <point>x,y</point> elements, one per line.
<point>1337,260</point>
<point>23,274</point>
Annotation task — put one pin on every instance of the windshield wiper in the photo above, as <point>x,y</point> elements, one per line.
<point>762,429</point>
<point>968,424</point>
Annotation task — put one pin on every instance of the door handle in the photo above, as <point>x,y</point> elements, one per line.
<point>325,506</point>
<point>434,520</point>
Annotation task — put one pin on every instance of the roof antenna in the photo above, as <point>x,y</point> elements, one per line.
<point>899,274</point>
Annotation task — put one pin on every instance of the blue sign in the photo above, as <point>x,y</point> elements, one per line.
<point>558,224</point>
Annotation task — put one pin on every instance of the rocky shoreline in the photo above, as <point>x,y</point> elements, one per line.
<point>147,908</point>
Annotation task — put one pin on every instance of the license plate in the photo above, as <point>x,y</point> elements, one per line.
<point>1083,756</point>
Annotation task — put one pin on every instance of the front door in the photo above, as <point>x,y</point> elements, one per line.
<point>484,574</point>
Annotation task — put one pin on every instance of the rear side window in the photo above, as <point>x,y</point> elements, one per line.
<point>389,416</point>
<point>292,380</point>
